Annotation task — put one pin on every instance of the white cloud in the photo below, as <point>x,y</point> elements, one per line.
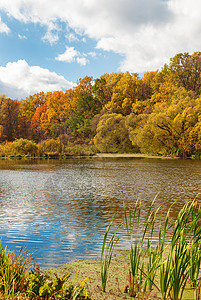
<point>72,55</point>
<point>145,32</point>
<point>22,37</point>
<point>71,37</point>
<point>51,37</point>
<point>3,27</point>
<point>92,54</point>
<point>82,61</point>
<point>18,79</point>
<point>69,55</point>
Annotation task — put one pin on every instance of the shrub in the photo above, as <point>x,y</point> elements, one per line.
<point>6,149</point>
<point>24,147</point>
<point>50,146</point>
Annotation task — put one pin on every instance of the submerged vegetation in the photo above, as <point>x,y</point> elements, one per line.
<point>163,262</point>
<point>119,112</point>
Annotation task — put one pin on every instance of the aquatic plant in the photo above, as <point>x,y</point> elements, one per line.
<point>106,253</point>
<point>169,265</point>
<point>137,230</point>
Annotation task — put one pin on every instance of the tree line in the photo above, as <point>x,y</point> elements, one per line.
<point>159,113</point>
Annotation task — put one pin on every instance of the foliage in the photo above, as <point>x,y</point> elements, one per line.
<point>16,279</point>
<point>159,112</point>
<point>24,147</point>
<point>12,271</point>
<point>112,134</point>
<point>43,286</point>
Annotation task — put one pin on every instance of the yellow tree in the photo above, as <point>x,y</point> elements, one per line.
<point>112,134</point>
<point>125,92</point>
<point>167,128</point>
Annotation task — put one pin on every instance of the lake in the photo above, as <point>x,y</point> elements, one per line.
<point>58,210</point>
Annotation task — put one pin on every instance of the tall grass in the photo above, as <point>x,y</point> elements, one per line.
<point>173,263</point>
<point>106,253</point>
<point>140,238</point>
<point>12,271</point>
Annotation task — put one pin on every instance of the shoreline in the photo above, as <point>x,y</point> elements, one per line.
<point>131,155</point>
<point>96,155</point>
<point>89,270</point>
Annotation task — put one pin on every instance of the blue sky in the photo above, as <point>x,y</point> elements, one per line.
<point>48,45</point>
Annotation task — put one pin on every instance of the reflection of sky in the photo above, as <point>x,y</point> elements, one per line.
<point>59,211</point>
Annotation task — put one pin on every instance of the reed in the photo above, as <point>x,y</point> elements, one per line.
<point>137,231</point>
<point>181,260</point>
<point>174,261</point>
<point>106,253</point>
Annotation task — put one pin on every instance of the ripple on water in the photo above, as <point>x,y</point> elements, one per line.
<point>59,211</point>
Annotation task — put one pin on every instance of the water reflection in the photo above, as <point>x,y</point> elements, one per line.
<point>59,209</point>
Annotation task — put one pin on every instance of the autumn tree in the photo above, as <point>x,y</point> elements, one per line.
<point>168,127</point>
<point>9,120</point>
<point>37,130</point>
<point>144,102</point>
<point>112,134</point>
<point>27,109</point>
<point>187,70</point>
<point>124,93</point>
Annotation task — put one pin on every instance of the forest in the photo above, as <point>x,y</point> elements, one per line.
<point>158,113</point>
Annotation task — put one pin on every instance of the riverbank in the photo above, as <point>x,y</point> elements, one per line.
<point>118,278</point>
<point>86,155</point>
<point>90,269</point>
<point>130,155</point>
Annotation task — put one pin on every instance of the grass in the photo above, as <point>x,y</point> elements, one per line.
<point>12,271</point>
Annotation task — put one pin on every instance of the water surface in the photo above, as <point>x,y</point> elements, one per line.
<point>58,210</point>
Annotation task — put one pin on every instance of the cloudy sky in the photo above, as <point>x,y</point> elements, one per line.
<point>48,45</point>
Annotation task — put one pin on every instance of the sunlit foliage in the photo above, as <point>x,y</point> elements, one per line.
<point>157,113</point>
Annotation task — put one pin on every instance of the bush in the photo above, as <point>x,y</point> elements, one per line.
<point>24,147</point>
<point>6,149</point>
<point>50,146</point>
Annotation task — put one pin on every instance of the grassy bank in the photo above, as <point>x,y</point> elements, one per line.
<point>118,278</point>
